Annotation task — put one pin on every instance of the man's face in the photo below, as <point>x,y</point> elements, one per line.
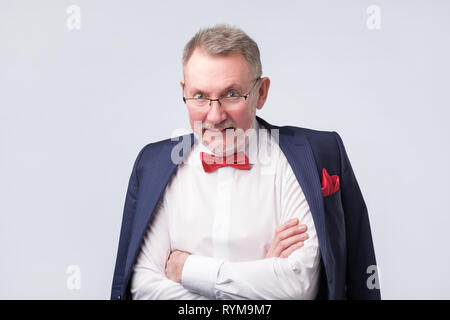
<point>212,77</point>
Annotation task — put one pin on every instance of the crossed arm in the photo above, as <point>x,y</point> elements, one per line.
<point>259,279</point>
<point>288,237</point>
<point>288,271</point>
<point>274,277</point>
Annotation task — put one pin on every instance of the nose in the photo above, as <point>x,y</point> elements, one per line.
<point>215,113</point>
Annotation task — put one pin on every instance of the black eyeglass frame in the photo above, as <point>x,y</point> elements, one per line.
<point>218,99</point>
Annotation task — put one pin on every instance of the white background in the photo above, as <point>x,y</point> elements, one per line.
<point>76,106</point>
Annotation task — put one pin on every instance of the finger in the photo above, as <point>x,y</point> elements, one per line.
<point>287,252</point>
<point>287,224</point>
<point>292,231</point>
<point>286,243</point>
<point>282,245</point>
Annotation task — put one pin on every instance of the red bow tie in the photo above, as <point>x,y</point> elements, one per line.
<point>211,163</point>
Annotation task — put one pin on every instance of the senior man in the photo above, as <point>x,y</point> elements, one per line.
<point>274,213</point>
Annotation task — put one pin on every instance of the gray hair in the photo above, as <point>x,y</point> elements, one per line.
<point>222,40</point>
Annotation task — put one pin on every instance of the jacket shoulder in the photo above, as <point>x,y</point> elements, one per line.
<point>159,150</point>
<point>325,146</point>
<point>319,139</point>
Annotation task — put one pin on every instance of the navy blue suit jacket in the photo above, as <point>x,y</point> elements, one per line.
<point>340,219</point>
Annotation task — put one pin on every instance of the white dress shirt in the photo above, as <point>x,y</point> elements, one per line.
<point>227,219</point>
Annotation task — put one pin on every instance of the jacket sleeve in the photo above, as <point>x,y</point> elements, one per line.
<point>148,280</point>
<point>118,291</point>
<point>362,278</point>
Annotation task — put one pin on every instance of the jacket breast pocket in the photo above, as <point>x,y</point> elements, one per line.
<point>335,221</point>
<point>333,201</point>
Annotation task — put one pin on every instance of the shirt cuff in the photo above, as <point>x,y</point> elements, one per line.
<point>200,273</point>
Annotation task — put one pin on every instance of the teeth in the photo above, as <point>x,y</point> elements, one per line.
<point>217,130</point>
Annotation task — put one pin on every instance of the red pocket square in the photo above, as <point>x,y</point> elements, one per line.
<point>330,184</point>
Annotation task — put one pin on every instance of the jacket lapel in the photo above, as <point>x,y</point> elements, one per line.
<point>300,156</point>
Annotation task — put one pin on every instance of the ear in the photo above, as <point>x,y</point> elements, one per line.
<point>263,92</point>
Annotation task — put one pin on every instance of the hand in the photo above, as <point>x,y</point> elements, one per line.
<point>174,265</point>
<point>288,238</point>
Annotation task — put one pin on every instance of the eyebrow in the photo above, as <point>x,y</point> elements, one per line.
<point>233,86</point>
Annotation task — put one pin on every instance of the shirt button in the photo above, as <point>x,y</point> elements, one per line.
<point>119,297</point>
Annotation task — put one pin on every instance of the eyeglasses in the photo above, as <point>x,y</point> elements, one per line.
<point>231,99</point>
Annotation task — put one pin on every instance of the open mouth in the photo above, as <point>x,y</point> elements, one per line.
<point>217,130</point>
